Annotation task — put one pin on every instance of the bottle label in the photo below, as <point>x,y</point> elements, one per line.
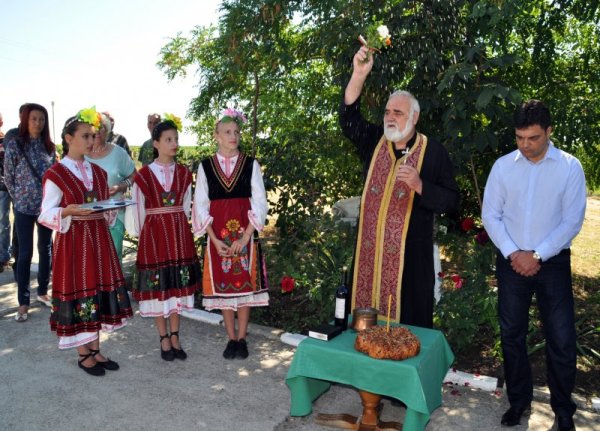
<point>340,308</point>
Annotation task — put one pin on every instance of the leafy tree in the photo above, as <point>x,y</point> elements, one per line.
<point>468,62</point>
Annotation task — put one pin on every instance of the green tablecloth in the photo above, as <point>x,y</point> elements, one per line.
<point>416,381</point>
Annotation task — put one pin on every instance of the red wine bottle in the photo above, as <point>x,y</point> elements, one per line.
<point>341,296</point>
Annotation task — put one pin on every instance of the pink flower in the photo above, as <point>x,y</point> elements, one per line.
<point>467,224</point>
<point>287,284</point>
<point>235,114</point>
<point>458,281</point>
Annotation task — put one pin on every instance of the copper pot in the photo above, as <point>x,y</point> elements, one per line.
<point>363,318</point>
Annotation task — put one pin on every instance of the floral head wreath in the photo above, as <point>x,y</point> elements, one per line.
<point>89,116</point>
<point>173,119</point>
<point>231,114</point>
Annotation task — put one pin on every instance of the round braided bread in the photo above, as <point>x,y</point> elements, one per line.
<point>397,344</point>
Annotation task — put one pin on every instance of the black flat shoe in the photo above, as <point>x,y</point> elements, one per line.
<point>229,352</point>
<point>167,355</point>
<point>242,349</point>
<point>179,353</point>
<point>565,423</point>
<point>512,416</point>
<point>96,370</point>
<point>108,364</point>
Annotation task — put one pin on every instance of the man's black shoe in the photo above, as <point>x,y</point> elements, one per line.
<point>513,415</point>
<point>565,423</point>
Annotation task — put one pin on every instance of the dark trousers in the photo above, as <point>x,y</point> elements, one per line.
<point>554,296</point>
<point>24,224</point>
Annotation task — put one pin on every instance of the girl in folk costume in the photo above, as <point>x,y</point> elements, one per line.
<point>167,263</point>
<point>88,288</point>
<point>229,205</point>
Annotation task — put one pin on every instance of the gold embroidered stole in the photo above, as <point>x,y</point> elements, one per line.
<point>385,210</point>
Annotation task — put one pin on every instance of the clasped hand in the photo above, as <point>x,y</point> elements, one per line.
<point>523,263</point>
<point>236,247</point>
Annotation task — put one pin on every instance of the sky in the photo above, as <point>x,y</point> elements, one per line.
<point>104,53</point>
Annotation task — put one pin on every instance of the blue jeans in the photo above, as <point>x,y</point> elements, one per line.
<point>25,224</point>
<point>5,201</point>
<point>552,286</point>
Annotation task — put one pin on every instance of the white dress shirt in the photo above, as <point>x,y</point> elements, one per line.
<point>534,206</point>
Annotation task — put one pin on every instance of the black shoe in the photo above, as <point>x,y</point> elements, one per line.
<point>108,364</point>
<point>179,353</point>
<point>242,349</point>
<point>565,423</point>
<point>513,415</point>
<point>167,355</point>
<point>96,370</point>
<point>230,350</point>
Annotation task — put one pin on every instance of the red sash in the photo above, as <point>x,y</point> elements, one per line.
<point>385,210</point>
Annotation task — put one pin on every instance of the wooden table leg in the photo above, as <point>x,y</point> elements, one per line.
<point>371,409</point>
<point>369,421</point>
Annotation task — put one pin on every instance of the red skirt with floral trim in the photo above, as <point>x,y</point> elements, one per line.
<point>229,276</point>
<point>88,288</point>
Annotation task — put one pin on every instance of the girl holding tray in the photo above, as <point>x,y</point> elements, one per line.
<point>229,205</point>
<point>88,288</point>
<point>167,264</point>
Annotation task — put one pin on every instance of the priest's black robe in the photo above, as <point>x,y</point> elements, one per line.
<point>440,194</point>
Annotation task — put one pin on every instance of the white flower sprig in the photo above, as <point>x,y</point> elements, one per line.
<point>378,37</point>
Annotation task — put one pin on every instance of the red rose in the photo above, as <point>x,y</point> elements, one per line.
<point>467,224</point>
<point>482,237</point>
<point>287,284</point>
<point>224,233</point>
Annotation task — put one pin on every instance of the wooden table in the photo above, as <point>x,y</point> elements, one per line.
<point>417,381</point>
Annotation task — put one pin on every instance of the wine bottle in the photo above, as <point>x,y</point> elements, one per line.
<point>341,296</point>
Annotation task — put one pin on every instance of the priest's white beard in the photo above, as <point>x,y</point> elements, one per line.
<point>392,133</point>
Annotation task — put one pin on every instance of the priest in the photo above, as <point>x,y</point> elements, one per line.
<point>409,178</point>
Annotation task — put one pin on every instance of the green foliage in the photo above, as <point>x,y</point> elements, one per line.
<point>468,62</point>
<point>316,266</point>
<point>467,307</point>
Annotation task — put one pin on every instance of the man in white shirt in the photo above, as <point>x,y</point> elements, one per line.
<point>533,207</point>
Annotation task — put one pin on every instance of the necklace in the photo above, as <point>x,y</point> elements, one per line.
<point>98,151</point>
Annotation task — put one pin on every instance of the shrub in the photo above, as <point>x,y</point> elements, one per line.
<point>314,266</point>
<point>468,306</point>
